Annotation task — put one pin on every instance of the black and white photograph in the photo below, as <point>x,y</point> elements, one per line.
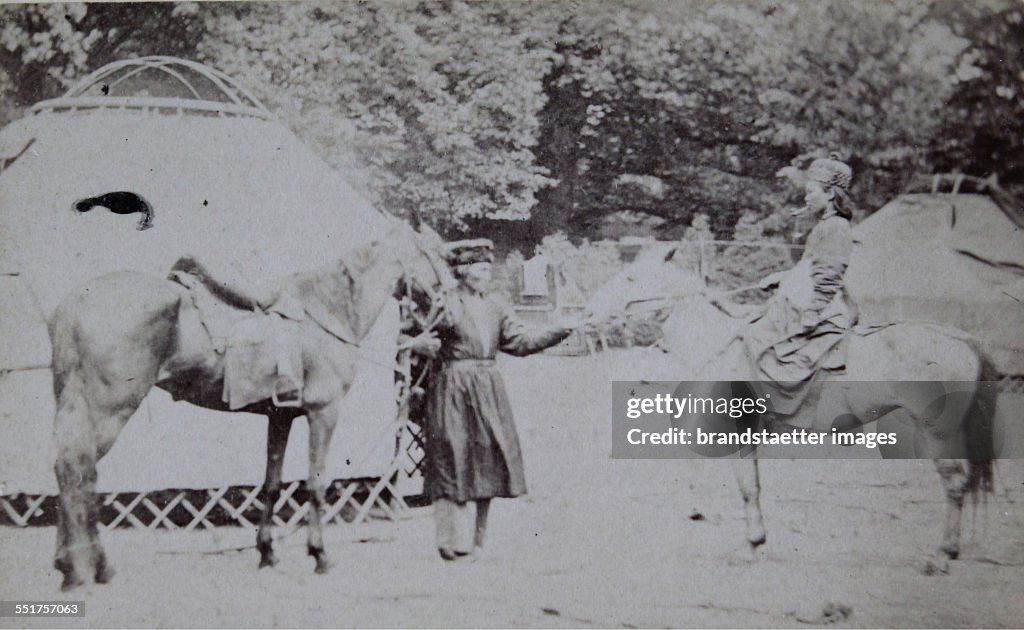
<point>512,314</point>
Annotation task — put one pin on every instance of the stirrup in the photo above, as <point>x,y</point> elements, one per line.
<point>288,401</point>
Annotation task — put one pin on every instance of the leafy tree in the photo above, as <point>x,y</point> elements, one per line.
<point>570,113</point>
<point>982,126</point>
<point>714,98</point>
<point>45,48</point>
<point>437,99</point>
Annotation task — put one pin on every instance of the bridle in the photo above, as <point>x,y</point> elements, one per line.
<point>425,323</point>
<point>438,298</point>
<point>407,306</point>
<point>671,301</point>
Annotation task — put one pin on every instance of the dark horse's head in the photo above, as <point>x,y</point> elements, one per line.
<point>120,202</point>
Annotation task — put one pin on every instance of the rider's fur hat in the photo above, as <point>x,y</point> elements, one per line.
<point>831,171</point>
<point>470,251</point>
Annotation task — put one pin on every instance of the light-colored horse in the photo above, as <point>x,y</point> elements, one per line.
<point>899,358</point>
<point>118,336</point>
<point>643,292</point>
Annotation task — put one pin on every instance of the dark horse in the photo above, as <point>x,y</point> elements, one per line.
<point>118,336</point>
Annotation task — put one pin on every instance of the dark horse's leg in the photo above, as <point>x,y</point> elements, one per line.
<point>278,427</point>
<point>321,429</point>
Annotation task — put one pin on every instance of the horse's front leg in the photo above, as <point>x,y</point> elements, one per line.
<point>748,478</point>
<point>278,428</point>
<point>321,429</point>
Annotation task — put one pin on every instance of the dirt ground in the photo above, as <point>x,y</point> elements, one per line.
<point>597,543</point>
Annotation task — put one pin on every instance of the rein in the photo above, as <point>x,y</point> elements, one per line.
<point>672,300</point>
<point>428,325</point>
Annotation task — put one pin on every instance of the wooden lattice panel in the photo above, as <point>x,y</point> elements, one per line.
<point>413,453</point>
<point>350,501</point>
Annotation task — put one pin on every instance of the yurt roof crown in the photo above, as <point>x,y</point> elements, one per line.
<point>159,84</point>
<point>218,174</point>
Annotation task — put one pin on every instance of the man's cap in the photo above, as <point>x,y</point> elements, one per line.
<point>470,251</point>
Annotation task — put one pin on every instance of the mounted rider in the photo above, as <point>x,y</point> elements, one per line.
<point>801,329</point>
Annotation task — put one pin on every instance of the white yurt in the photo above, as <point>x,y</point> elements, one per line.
<point>225,181</point>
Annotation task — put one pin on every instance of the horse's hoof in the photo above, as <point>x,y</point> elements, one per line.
<point>104,574</point>
<point>745,554</point>
<point>269,560</point>
<point>71,582</point>
<point>323,564</point>
<point>756,535</point>
<point>323,561</point>
<point>938,565</point>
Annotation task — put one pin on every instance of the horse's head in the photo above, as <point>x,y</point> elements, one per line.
<point>425,276</point>
<point>697,331</point>
<point>650,286</point>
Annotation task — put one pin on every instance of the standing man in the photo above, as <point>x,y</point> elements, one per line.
<point>473,452</point>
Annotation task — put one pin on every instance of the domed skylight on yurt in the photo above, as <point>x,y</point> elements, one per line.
<point>160,84</point>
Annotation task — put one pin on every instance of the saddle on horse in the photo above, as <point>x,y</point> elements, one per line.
<point>260,357</point>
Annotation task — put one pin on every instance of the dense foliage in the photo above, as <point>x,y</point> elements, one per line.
<point>596,119</point>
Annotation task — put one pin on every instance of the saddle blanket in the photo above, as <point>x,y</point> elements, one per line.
<point>261,363</point>
<point>261,359</point>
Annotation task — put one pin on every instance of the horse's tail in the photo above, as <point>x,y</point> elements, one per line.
<point>979,430</point>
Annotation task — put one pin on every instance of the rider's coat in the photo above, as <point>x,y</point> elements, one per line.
<point>804,321</point>
<point>472,446</point>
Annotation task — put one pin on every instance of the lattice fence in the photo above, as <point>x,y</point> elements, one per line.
<point>348,500</point>
<point>413,453</point>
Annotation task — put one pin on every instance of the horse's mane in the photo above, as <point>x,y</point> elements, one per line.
<point>333,294</point>
<point>332,291</point>
<point>344,296</point>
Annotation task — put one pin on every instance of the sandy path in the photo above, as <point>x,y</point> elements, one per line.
<point>598,542</point>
